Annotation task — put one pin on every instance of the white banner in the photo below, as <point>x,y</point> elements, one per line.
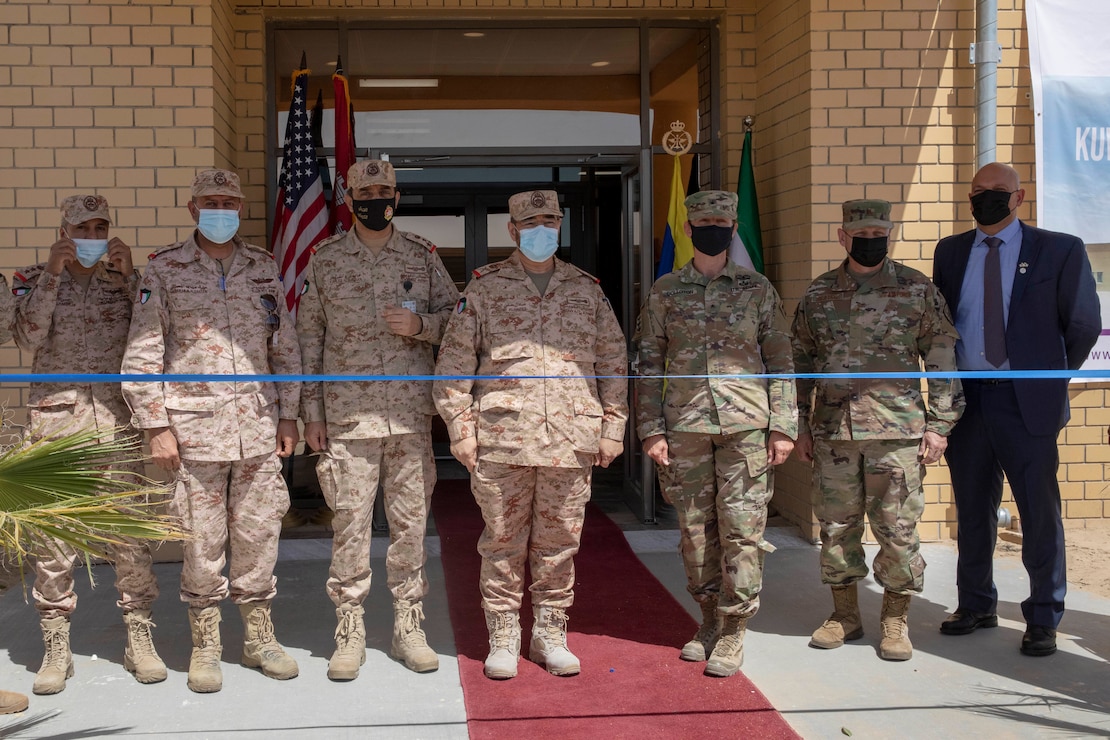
<point>1069,58</point>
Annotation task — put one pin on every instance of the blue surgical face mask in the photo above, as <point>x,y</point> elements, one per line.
<point>218,226</point>
<point>89,251</point>
<point>539,243</point>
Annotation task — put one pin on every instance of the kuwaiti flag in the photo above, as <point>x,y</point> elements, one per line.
<point>341,219</point>
<point>677,247</point>
<point>301,214</point>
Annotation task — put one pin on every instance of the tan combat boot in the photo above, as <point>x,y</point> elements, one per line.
<point>895,644</point>
<point>140,657</point>
<point>57,662</point>
<point>844,623</point>
<point>260,649</point>
<point>549,642</point>
<point>728,655</point>
<point>700,647</point>
<point>205,676</point>
<point>12,703</point>
<point>504,644</point>
<point>410,644</point>
<point>350,644</point>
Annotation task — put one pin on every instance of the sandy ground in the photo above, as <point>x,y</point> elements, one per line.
<point>1088,556</point>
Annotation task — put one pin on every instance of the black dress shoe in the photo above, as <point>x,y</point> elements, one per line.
<point>964,622</point>
<point>1038,641</point>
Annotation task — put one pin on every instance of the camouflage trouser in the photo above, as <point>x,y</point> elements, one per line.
<point>532,513</point>
<point>239,504</point>
<point>135,581</point>
<point>720,486</point>
<point>881,478</point>
<point>349,473</point>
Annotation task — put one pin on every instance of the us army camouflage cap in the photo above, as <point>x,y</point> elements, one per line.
<point>534,203</point>
<point>867,212</point>
<point>708,203</point>
<point>371,172</point>
<point>77,209</point>
<point>216,182</point>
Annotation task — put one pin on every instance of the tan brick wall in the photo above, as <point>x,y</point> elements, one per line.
<point>130,99</point>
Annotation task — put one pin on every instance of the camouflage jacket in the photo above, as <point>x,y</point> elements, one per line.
<point>503,327</point>
<point>7,311</point>
<point>341,331</point>
<point>69,329</point>
<point>183,323</point>
<point>731,325</point>
<point>896,321</point>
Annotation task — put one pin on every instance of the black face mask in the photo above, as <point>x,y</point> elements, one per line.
<point>374,214</point>
<point>711,240</point>
<point>990,206</point>
<point>868,251</point>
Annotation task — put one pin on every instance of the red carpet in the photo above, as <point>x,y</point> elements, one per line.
<point>626,629</point>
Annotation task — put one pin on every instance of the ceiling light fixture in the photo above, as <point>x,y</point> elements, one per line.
<point>599,64</point>
<point>397,82</point>
<point>474,34</point>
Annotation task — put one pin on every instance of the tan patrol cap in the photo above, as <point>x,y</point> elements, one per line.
<point>867,213</point>
<point>709,203</point>
<point>371,172</point>
<point>216,182</point>
<point>534,203</point>
<point>77,209</point>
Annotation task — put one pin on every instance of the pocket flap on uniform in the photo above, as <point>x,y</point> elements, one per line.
<point>193,403</point>
<point>501,401</point>
<point>50,399</point>
<point>587,406</point>
<point>757,463</point>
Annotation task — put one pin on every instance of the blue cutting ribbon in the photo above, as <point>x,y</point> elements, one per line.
<point>81,378</point>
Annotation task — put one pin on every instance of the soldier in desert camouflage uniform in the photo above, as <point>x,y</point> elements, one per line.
<point>7,310</point>
<point>716,440</point>
<point>869,440</point>
<point>72,313</point>
<point>212,305</point>
<point>375,302</point>
<point>530,445</point>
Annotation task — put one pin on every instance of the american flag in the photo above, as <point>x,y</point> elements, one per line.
<point>301,216</point>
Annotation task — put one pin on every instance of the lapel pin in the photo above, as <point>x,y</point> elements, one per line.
<point>1022,267</point>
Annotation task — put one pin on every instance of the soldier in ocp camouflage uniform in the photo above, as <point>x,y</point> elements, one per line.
<point>375,302</point>
<point>869,440</point>
<point>530,445</point>
<point>213,305</point>
<point>72,313</point>
<point>716,439</point>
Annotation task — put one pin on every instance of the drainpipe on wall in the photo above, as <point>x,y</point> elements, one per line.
<point>985,55</point>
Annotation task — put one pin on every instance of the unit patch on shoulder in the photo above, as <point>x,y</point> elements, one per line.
<point>144,295</point>
<point>304,288</point>
<point>18,290</point>
<point>461,305</point>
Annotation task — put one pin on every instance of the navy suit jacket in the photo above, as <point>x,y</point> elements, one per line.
<point>1054,317</point>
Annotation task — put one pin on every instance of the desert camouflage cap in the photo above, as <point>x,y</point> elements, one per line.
<point>371,172</point>
<point>707,203</point>
<point>216,182</point>
<point>867,212</point>
<point>77,209</point>
<point>534,203</point>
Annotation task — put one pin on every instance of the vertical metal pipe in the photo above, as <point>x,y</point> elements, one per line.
<point>986,80</point>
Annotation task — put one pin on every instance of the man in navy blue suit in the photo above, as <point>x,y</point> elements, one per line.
<point>1023,299</point>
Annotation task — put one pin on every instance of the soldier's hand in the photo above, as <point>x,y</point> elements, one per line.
<point>657,449</point>
<point>62,252</point>
<point>466,452</point>
<point>316,435</point>
<point>803,448</point>
<point>119,256</point>
<point>932,447</point>
<point>287,437</point>
<point>779,447</point>
<point>402,321</point>
<point>163,449</point>
<point>608,450</point>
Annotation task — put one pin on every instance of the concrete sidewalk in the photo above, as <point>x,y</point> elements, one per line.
<point>953,686</point>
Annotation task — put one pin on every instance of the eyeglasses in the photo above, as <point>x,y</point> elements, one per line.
<point>273,319</point>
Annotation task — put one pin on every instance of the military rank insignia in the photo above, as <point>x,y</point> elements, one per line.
<point>144,295</point>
